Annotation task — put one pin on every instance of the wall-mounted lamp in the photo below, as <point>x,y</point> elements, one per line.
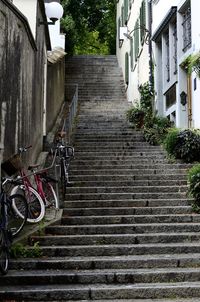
<point>146,31</point>
<point>183,97</point>
<point>54,11</point>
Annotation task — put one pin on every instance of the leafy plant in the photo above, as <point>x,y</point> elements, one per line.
<point>157,129</point>
<point>18,250</point>
<point>192,63</point>
<point>136,117</point>
<point>188,145</point>
<point>194,183</point>
<point>146,95</point>
<point>171,141</point>
<point>183,144</point>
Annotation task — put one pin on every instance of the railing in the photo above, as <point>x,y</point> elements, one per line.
<point>72,96</point>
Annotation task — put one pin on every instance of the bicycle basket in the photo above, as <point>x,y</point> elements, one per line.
<point>12,164</point>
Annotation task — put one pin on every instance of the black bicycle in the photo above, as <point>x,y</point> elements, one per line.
<point>64,155</point>
<point>11,223</point>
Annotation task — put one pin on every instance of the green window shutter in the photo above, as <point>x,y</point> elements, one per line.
<point>118,27</point>
<point>122,15</point>
<point>131,53</point>
<point>126,68</point>
<point>142,21</point>
<point>136,40</point>
<point>125,11</point>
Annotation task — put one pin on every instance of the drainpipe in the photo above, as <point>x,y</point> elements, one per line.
<point>151,81</point>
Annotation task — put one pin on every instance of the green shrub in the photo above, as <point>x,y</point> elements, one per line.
<point>135,116</point>
<point>155,129</point>
<point>171,141</point>
<point>188,145</point>
<point>194,183</point>
<point>183,144</point>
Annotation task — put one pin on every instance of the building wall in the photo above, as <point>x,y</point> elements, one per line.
<point>177,112</point>
<point>22,83</point>
<point>55,91</point>
<point>139,69</point>
<point>29,9</point>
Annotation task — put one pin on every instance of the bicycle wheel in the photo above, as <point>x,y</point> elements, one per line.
<point>4,252</point>
<point>17,220</point>
<point>63,179</point>
<point>51,199</point>
<point>36,207</point>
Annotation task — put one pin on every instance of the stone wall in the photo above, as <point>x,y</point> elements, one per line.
<point>22,73</point>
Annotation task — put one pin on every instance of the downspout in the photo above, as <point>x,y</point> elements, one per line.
<point>151,80</point>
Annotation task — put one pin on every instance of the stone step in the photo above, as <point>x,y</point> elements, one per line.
<point>105,154</point>
<point>127,211</point>
<point>90,165</point>
<point>124,229</point>
<point>108,277</point>
<point>128,203</point>
<point>128,172</point>
<point>125,177</point>
<point>123,160</point>
<point>108,262</point>
<point>101,291</point>
<point>121,145</point>
<point>117,183</point>
<point>108,239</point>
<point>120,196</point>
<point>130,219</point>
<point>127,189</point>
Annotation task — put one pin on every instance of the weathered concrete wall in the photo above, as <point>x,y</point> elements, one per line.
<point>55,91</point>
<point>21,82</point>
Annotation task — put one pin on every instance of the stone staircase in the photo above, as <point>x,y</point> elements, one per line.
<point>128,232</point>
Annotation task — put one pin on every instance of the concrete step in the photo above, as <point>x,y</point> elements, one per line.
<point>127,189</point>
<point>129,172</point>
<point>119,249</point>
<point>121,196</point>
<point>116,183</point>
<point>109,239</point>
<point>98,292</point>
<point>124,229</point>
<point>126,177</point>
<point>127,211</point>
<point>118,165</point>
<point>128,203</point>
<point>108,262</point>
<point>130,219</point>
<point>108,277</point>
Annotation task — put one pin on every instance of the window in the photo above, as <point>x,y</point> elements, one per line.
<point>186,29</point>
<point>170,97</point>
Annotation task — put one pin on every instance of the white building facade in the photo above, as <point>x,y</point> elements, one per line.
<point>174,27</point>
<point>133,44</point>
<point>176,35</point>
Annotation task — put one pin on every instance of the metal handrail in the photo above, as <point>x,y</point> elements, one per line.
<point>68,122</point>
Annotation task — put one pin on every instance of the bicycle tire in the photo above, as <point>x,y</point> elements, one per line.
<point>36,206</point>
<point>63,180</point>
<point>51,199</point>
<point>4,252</point>
<point>17,219</point>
